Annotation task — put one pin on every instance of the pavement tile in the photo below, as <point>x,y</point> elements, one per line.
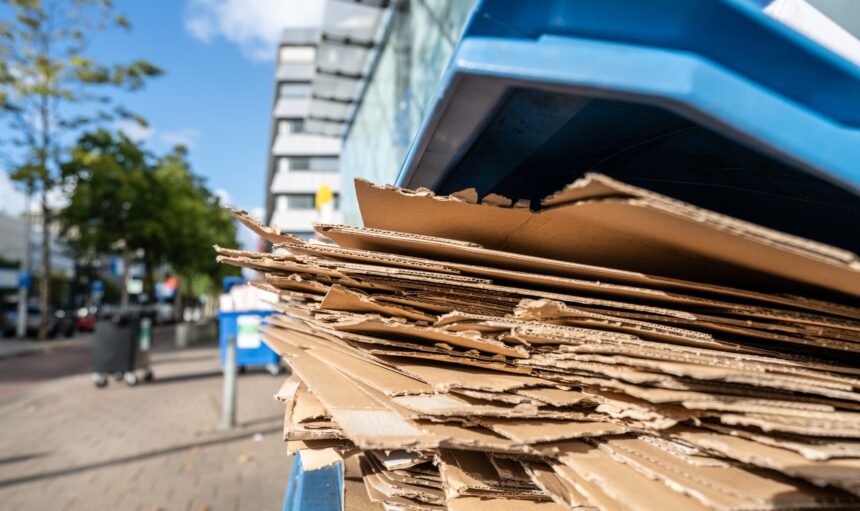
<point>67,445</point>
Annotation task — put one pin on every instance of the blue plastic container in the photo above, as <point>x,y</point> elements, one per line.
<point>317,490</point>
<point>709,101</point>
<point>251,351</point>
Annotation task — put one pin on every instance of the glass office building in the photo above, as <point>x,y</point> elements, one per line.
<point>378,66</point>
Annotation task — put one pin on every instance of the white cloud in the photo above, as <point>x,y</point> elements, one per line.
<point>224,196</point>
<point>185,136</point>
<point>166,139</point>
<point>253,25</point>
<point>135,131</point>
<point>11,199</point>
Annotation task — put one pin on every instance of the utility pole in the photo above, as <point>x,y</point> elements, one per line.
<point>26,263</point>
<point>228,404</point>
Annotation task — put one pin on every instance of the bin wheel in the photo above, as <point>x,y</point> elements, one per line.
<point>130,379</point>
<point>100,380</point>
<point>274,369</point>
<point>148,375</point>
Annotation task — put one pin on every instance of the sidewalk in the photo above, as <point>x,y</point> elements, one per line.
<point>67,445</point>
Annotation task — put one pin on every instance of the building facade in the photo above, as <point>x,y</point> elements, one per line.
<point>381,63</point>
<point>384,60</point>
<point>13,245</point>
<point>300,163</point>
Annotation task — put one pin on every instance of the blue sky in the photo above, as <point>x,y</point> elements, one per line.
<point>216,95</point>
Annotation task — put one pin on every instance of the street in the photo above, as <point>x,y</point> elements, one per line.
<point>66,445</point>
<point>19,373</point>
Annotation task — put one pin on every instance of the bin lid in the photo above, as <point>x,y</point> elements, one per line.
<point>712,102</point>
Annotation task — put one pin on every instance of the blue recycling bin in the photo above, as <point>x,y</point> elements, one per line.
<point>251,351</point>
<point>712,102</point>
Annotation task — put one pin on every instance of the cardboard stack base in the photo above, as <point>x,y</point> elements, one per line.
<point>614,350</point>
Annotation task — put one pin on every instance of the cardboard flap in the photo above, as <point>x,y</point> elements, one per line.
<point>672,239</point>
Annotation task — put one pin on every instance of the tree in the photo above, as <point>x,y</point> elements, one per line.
<point>50,89</point>
<point>114,203</point>
<point>125,200</point>
<point>195,221</point>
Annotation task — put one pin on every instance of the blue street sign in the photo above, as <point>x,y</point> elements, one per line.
<point>10,278</point>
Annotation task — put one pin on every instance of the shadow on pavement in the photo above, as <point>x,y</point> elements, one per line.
<point>165,360</point>
<point>161,380</point>
<point>130,459</point>
<point>262,420</point>
<point>24,457</point>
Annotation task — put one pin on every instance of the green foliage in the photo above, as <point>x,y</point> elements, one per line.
<point>50,89</point>
<point>44,71</point>
<point>123,194</point>
<point>8,263</point>
<point>115,198</point>
<point>196,220</point>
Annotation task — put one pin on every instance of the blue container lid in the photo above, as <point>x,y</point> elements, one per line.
<point>709,101</point>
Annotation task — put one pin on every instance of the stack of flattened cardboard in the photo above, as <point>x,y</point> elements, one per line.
<point>615,349</point>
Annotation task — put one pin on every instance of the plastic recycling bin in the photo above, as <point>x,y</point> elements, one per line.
<point>121,346</point>
<point>251,351</point>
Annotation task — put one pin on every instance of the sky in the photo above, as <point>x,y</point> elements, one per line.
<point>216,95</point>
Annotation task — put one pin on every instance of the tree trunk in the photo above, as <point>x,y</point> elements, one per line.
<point>123,301</point>
<point>45,281</point>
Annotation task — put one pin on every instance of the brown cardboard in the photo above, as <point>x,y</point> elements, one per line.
<point>316,459</point>
<point>527,431</point>
<point>379,325</point>
<point>538,383</point>
<point>562,492</point>
<point>382,241</point>
<point>342,299</point>
<point>726,487</point>
<point>555,396</point>
<point>501,504</point>
<point>470,473</point>
<point>673,239</point>
<point>399,458</point>
<point>363,419</point>
<point>307,407</point>
<point>592,492</point>
<point>355,496</point>
<point>624,484</point>
<point>811,449</point>
<point>843,473</point>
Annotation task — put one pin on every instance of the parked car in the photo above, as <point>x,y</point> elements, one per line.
<point>60,321</point>
<point>7,322</point>
<point>86,320</point>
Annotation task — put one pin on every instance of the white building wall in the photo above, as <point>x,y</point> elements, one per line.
<point>301,163</point>
<point>304,182</point>
<point>301,144</point>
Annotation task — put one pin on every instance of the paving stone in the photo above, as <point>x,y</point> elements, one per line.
<point>67,445</point>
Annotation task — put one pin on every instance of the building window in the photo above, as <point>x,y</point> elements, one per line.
<point>299,163</point>
<point>324,163</point>
<point>287,126</point>
<point>308,164</point>
<point>295,201</point>
<point>294,90</point>
<point>297,54</point>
